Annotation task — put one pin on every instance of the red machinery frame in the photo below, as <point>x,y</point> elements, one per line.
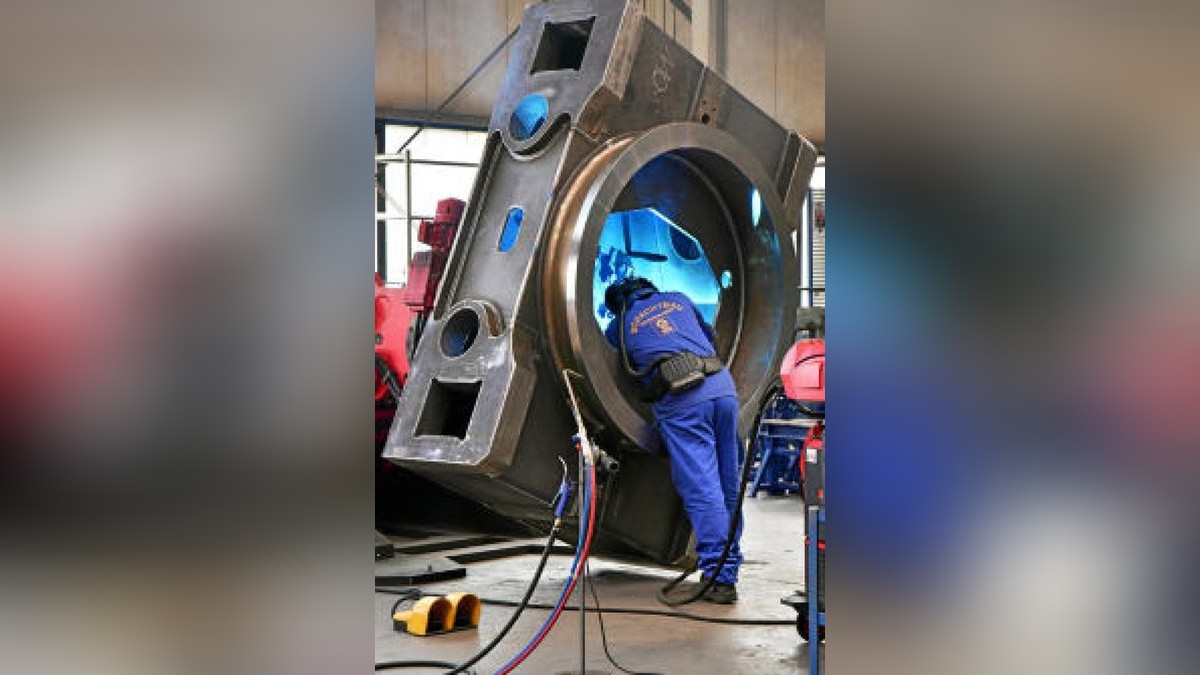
<point>400,313</point>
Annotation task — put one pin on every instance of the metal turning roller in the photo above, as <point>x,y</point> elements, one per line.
<point>612,152</point>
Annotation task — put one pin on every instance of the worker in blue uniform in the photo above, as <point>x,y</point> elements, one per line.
<point>698,426</point>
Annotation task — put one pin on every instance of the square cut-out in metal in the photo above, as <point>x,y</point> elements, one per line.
<point>562,45</point>
<point>448,409</point>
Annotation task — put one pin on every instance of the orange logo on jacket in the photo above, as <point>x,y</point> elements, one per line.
<point>655,315</point>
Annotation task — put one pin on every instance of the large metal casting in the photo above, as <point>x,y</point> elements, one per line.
<point>604,121</point>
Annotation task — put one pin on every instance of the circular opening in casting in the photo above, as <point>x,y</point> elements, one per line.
<point>460,332</point>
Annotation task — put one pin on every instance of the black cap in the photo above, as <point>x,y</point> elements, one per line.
<point>617,295</point>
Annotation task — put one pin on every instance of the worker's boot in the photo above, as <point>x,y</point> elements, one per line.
<point>721,594</point>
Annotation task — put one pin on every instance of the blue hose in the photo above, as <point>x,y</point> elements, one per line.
<point>584,506</point>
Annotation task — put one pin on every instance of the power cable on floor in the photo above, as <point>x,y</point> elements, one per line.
<point>559,505</point>
<point>395,665</point>
<point>672,614</point>
<point>406,595</point>
<point>604,634</point>
<point>595,596</point>
<point>512,620</point>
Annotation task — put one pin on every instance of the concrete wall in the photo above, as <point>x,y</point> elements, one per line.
<point>425,48</point>
<point>774,53</point>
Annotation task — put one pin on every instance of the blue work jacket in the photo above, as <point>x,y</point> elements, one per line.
<point>659,324</point>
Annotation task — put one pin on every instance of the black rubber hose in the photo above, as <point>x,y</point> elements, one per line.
<point>671,614</point>
<point>512,620</point>
<point>604,633</point>
<point>656,612</point>
<point>734,518</point>
<point>391,665</point>
<point>407,594</point>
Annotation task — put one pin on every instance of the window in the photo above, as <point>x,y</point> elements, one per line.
<point>437,164</point>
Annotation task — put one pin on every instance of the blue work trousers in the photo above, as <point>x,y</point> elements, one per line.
<point>702,442</point>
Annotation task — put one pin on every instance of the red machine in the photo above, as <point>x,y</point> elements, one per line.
<point>401,313</point>
<point>392,321</point>
<point>803,376</point>
<point>426,267</point>
<point>803,371</point>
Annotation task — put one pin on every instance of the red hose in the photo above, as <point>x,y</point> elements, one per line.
<point>587,547</point>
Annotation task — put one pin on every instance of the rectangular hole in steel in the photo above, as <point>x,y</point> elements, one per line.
<point>448,408</point>
<point>562,45</point>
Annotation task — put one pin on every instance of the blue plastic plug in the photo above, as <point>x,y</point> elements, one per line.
<point>562,498</point>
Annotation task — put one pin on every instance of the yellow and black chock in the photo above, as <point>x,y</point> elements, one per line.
<point>434,615</point>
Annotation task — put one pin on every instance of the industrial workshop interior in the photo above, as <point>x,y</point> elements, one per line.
<point>599,336</point>
<point>601,315</point>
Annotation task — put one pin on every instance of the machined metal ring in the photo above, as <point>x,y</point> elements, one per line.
<point>721,180</point>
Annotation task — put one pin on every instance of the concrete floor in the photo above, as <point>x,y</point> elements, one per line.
<point>773,569</point>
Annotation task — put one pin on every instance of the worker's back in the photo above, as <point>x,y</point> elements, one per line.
<point>661,324</point>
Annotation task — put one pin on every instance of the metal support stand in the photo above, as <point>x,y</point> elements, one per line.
<point>810,602</point>
<point>582,445</point>
<point>582,586</point>
<point>814,544</point>
<point>815,526</point>
<point>582,593</point>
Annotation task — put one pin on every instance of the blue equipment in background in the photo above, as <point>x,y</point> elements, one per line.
<point>778,441</point>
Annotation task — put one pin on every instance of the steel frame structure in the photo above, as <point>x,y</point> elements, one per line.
<point>484,411</point>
